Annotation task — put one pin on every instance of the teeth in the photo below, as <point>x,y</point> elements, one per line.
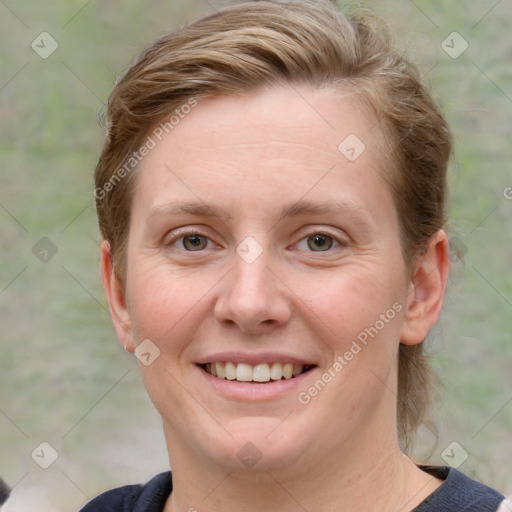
<point>230,370</point>
<point>261,373</point>
<point>276,372</point>
<point>221,373</point>
<point>297,369</point>
<point>243,372</point>
<point>264,372</point>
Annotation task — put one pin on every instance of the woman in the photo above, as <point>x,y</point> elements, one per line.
<point>271,199</point>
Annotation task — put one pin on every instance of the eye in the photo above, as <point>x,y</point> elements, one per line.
<point>194,242</point>
<point>319,242</point>
<point>191,242</point>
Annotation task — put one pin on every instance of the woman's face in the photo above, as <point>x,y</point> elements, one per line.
<point>264,242</point>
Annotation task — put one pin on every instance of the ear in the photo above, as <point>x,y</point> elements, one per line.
<point>427,287</point>
<point>116,298</point>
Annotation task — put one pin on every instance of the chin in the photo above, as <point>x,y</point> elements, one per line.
<point>258,444</point>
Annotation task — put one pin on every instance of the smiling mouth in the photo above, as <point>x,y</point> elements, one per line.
<point>260,373</point>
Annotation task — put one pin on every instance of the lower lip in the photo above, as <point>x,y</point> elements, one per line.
<point>255,391</point>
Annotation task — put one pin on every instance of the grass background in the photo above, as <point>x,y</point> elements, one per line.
<point>64,378</point>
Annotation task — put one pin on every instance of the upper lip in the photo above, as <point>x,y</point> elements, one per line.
<point>253,358</point>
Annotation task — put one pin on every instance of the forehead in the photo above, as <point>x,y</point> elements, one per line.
<point>288,136</point>
<point>318,118</point>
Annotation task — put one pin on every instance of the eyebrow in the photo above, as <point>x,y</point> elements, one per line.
<point>193,208</point>
<point>310,208</point>
<point>296,209</point>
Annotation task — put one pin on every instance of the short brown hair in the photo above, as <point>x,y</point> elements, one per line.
<point>253,45</point>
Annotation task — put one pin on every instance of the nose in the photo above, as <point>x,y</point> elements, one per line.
<point>253,298</point>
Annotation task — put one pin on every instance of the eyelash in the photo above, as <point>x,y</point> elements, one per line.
<point>337,240</point>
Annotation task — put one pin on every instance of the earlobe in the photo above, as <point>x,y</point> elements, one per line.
<point>116,298</point>
<point>426,292</point>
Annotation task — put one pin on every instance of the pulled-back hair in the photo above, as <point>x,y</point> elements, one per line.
<point>254,45</point>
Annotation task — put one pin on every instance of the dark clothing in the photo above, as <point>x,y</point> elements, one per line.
<point>458,493</point>
<point>134,498</point>
<point>4,491</point>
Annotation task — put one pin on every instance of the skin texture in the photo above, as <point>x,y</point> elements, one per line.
<point>252,157</point>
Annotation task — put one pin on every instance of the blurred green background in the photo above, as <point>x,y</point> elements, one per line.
<point>64,378</point>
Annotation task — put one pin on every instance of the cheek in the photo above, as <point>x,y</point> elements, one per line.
<point>353,299</point>
<point>359,313</point>
<point>163,302</point>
